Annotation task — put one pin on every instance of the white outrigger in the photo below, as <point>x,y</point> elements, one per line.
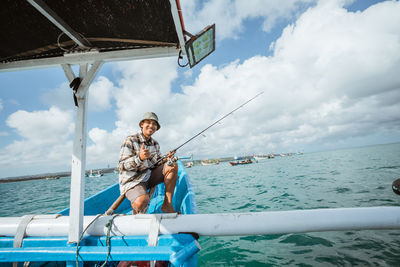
<point>149,237</point>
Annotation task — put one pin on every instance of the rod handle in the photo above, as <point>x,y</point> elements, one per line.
<point>115,205</point>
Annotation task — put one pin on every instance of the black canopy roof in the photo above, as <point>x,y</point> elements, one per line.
<point>37,33</point>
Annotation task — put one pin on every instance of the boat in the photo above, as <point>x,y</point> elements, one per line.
<point>241,162</point>
<point>189,164</point>
<point>209,162</point>
<point>100,229</point>
<point>263,156</point>
<point>52,247</point>
<point>94,174</point>
<point>52,178</point>
<point>88,41</point>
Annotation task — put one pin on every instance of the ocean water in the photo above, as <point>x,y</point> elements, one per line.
<point>357,177</point>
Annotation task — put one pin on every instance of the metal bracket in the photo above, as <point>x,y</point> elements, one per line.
<point>155,225</point>
<point>155,222</point>
<point>23,224</point>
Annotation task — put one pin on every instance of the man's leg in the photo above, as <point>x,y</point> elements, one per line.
<point>170,177</point>
<point>139,198</point>
<point>140,204</point>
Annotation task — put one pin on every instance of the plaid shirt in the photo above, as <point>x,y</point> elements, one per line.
<point>132,170</point>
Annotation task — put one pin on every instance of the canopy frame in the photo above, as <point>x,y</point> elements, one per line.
<point>57,21</point>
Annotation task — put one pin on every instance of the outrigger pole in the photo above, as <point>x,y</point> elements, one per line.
<point>224,224</point>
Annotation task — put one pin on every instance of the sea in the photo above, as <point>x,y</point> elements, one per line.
<point>354,177</point>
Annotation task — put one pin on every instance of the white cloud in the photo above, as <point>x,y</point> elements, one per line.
<point>45,139</point>
<point>229,15</point>
<point>145,86</point>
<point>332,77</point>
<point>60,97</point>
<point>100,94</point>
<point>105,147</point>
<point>42,127</point>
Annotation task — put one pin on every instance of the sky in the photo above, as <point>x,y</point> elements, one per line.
<point>329,70</point>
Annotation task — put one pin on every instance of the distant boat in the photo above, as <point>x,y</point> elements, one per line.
<point>209,162</point>
<point>52,178</point>
<point>94,174</point>
<point>264,156</point>
<point>241,162</point>
<point>189,164</point>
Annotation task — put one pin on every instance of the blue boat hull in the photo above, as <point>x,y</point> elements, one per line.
<point>179,249</point>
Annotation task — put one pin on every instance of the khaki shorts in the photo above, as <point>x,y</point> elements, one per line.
<point>156,177</point>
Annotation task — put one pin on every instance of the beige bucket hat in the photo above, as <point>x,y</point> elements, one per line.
<point>150,116</point>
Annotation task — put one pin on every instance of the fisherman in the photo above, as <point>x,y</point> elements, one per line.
<point>139,170</point>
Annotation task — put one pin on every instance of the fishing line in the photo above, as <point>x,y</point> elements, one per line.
<point>200,133</point>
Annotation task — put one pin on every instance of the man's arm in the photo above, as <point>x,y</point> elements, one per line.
<point>129,159</point>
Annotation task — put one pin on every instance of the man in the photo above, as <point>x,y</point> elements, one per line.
<point>139,152</point>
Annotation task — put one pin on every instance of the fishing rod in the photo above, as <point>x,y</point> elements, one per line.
<point>216,122</point>
<point>230,113</point>
<point>121,198</point>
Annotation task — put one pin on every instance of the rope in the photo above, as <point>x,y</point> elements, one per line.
<point>108,243</point>
<point>108,238</point>
<point>81,237</point>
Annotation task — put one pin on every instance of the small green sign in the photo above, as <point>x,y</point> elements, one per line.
<point>200,46</point>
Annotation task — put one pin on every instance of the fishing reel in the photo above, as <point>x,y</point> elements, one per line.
<point>172,161</point>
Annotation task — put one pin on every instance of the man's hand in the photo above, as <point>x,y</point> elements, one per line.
<point>170,154</point>
<point>144,153</point>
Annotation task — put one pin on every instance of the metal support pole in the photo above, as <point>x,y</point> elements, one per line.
<point>77,193</point>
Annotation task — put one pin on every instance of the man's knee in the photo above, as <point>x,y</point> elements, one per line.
<point>168,170</point>
<point>140,203</point>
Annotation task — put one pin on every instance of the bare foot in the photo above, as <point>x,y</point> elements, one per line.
<point>167,208</point>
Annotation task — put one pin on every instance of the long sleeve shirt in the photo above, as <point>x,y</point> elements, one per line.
<point>133,170</point>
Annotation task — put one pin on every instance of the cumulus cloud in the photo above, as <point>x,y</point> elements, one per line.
<point>60,97</point>
<point>229,15</point>
<point>332,77</point>
<point>45,138</point>
<point>105,147</point>
<point>100,94</point>
<point>145,86</point>
<point>42,127</point>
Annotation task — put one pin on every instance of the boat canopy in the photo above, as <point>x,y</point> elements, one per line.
<point>43,33</point>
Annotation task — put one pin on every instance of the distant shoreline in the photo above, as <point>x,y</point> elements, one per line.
<point>48,176</point>
<point>58,175</point>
